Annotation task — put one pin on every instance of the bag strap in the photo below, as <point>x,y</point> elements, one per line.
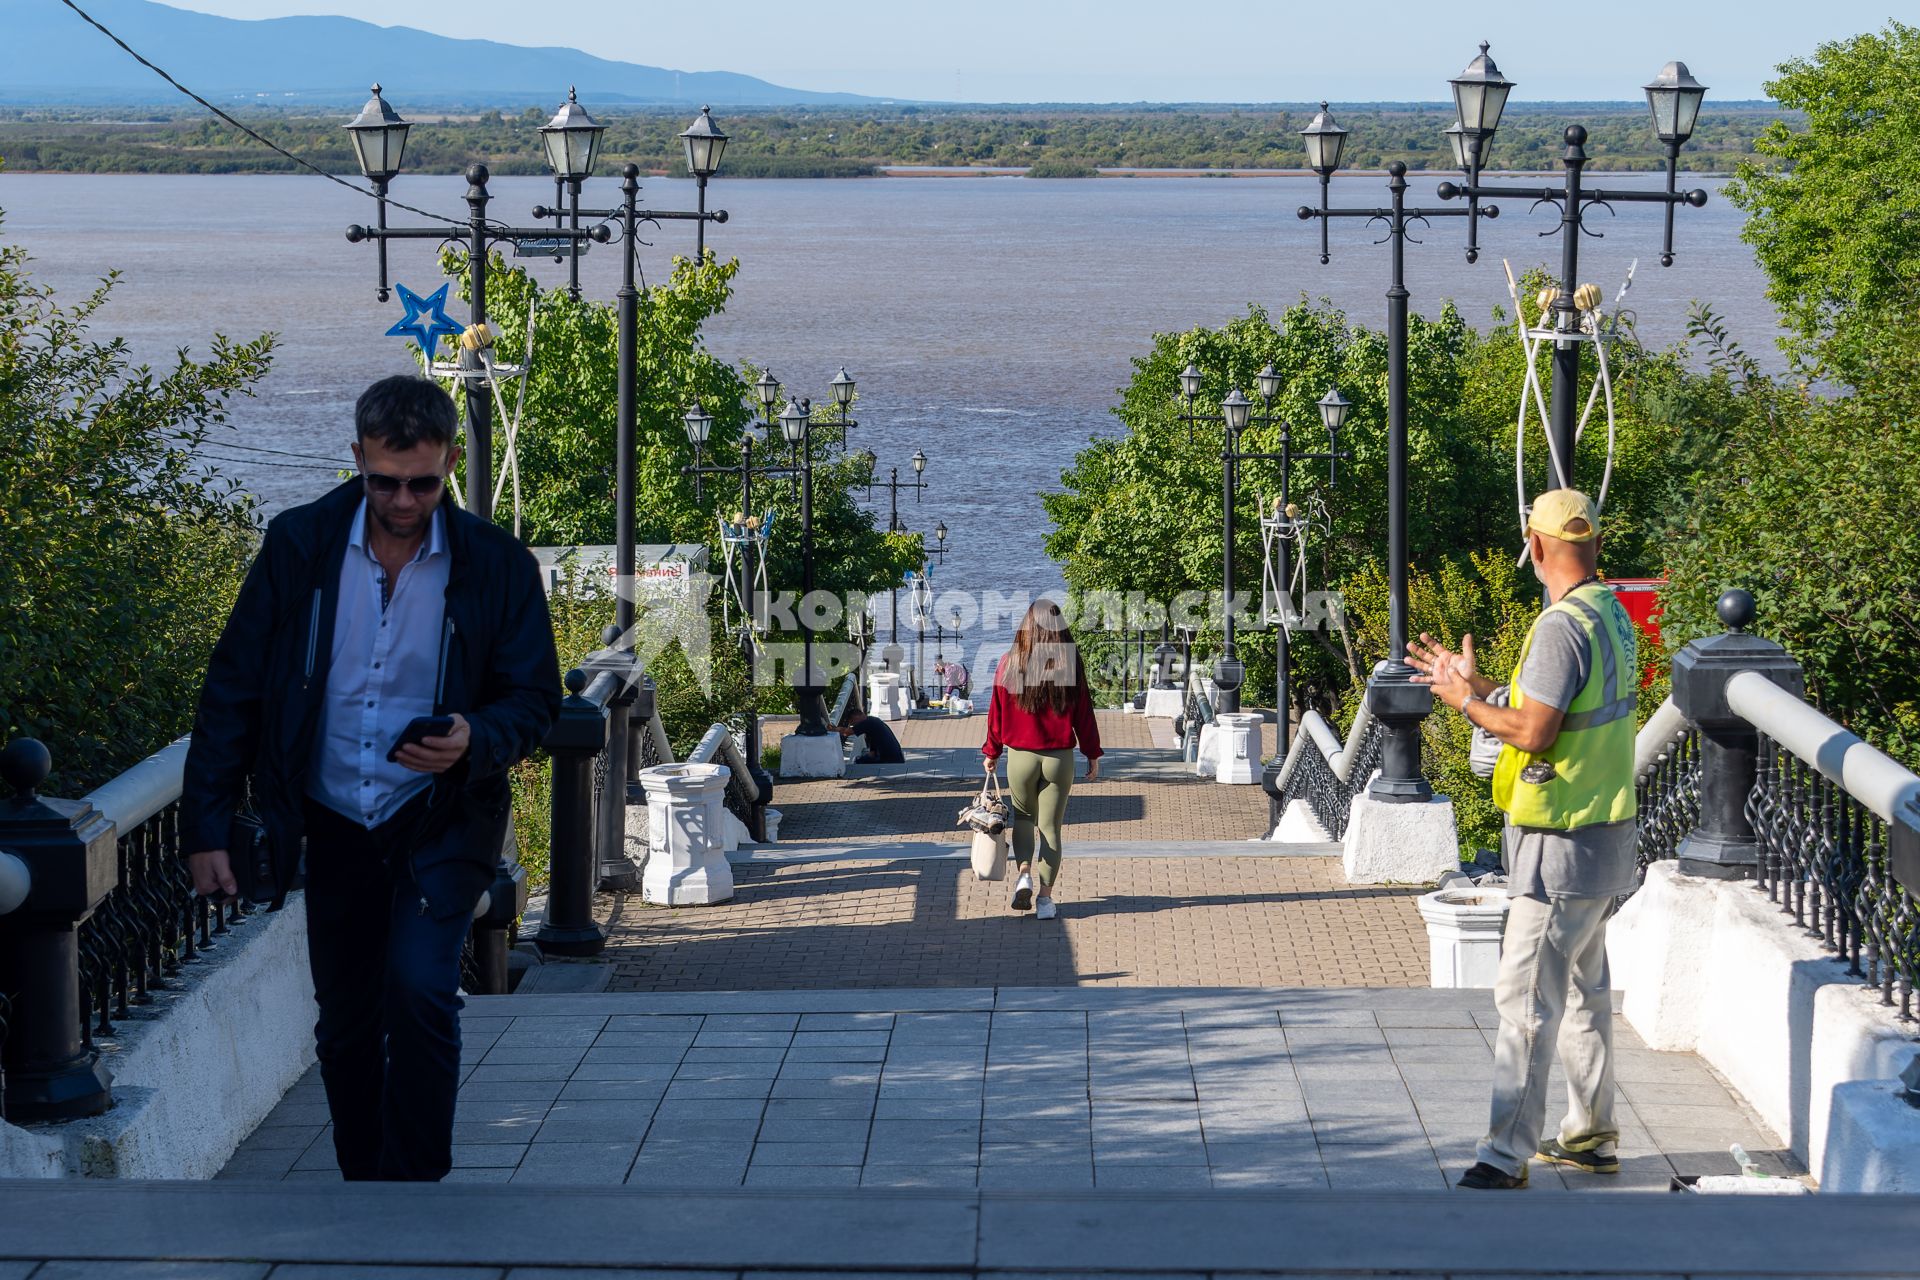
<point>991,786</point>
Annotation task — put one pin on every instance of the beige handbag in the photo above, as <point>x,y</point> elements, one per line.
<point>987,818</point>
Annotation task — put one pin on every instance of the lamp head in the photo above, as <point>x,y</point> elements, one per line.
<point>1674,97</point>
<point>698,423</point>
<point>379,138</point>
<point>1268,381</point>
<point>1480,95</point>
<point>1236,408</point>
<point>1325,141</point>
<point>705,144</point>
<point>768,389</point>
<point>919,462</point>
<point>842,388</point>
<point>1190,381</point>
<point>1334,409</point>
<point>571,140</point>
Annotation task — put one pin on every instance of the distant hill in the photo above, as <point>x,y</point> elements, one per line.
<point>48,56</point>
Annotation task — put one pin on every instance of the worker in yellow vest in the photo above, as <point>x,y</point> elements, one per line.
<point>1564,779</point>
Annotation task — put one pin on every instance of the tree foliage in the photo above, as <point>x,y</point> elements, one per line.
<point>1834,208</point>
<point>122,553</point>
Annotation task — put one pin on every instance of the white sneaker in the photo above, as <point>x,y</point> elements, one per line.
<point>1045,910</point>
<point>1023,892</point>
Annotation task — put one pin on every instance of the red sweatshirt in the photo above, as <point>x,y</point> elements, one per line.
<point>1008,725</point>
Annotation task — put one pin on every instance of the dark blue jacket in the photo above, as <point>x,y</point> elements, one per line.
<point>260,709</point>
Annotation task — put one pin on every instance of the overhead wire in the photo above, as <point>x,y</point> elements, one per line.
<point>264,141</point>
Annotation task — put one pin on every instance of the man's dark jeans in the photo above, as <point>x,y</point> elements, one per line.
<point>386,975</point>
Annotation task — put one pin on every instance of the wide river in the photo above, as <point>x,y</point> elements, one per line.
<point>990,321</point>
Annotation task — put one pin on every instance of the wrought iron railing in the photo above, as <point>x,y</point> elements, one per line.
<point>1325,772</point>
<point>1667,785</point>
<point>151,924</point>
<point>1823,859</point>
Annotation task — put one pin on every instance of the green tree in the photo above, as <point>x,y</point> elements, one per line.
<point>122,552</point>
<point>1834,208</point>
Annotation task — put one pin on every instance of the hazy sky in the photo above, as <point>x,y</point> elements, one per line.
<point>1156,50</point>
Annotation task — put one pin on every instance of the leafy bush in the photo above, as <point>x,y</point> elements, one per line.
<point>123,552</point>
<point>1061,169</point>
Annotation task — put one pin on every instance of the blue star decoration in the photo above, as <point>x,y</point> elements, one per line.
<point>426,319</point>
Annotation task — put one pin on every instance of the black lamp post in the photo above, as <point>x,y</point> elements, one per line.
<point>1334,409</point>
<point>572,142</point>
<point>809,694</point>
<point>705,145</point>
<point>1396,701</point>
<point>1480,92</point>
<point>1236,415</point>
<point>379,139</point>
<point>571,137</point>
<point>893,484</point>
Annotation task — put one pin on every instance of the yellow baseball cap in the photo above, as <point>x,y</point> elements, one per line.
<point>1566,514</point>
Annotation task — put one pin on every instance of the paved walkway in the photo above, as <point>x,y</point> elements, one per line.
<point>1206,921</point>
<point>1016,1088</point>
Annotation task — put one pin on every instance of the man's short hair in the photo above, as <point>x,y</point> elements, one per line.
<point>405,411</point>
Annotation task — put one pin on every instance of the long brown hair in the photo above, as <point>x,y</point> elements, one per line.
<point>1043,670</point>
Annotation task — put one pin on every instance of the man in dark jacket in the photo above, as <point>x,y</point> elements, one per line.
<point>379,603</point>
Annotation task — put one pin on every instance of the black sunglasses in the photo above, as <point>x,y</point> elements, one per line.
<point>419,486</point>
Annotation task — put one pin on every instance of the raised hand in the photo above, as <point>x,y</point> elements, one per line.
<point>1433,659</point>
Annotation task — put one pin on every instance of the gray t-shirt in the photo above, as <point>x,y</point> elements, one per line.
<point>1589,862</point>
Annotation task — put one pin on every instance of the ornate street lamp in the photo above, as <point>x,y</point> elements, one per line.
<point>572,142</point>
<point>1325,140</point>
<point>1396,700</point>
<point>1236,415</point>
<point>1674,98</point>
<point>705,145</point>
<point>1334,409</point>
<point>379,139</point>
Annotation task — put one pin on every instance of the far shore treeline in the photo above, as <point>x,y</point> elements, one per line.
<point>858,142</point>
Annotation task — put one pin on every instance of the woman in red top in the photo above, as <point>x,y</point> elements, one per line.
<point>1041,707</point>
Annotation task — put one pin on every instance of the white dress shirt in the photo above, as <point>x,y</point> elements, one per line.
<point>386,665</point>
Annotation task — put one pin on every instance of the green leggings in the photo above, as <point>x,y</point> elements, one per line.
<point>1039,781</point>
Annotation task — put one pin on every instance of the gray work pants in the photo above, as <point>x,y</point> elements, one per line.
<point>1552,988</point>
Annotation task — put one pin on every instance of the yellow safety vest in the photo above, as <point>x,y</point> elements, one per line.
<point>1592,756</point>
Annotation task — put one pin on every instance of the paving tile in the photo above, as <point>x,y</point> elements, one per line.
<point>296,1115</point>
<point>592,1089</point>
<point>751,1022</point>
<point>485,1112</point>
<point>618,1273</point>
<point>761,1071</point>
<point>926,1130</point>
<point>846,1022</point>
<point>1037,1177</point>
<point>1029,1154</point>
<point>296,1137</point>
<point>703,1090</point>
<point>518,1132</point>
<point>487,1155</point>
<point>524,1054</point>
<point>944,1177</point>
<point>828,1108</point>
<point>941,1028</point>
<point>927,1108</point>
<point>1141,1177</point>
<point>250,1165</point>
<point>483,1174</point>
<point>531,1091</point>
<point>929,1150</point>
<point>585,1163</point>
<point>1272,1178</point>
<point>809,1153</point>
<point>836,1053</point>
<point>517,1071</point>
<point>656,1023</point>
<point>834,1088</point>
<point>801,1176</point>
<point>1276,1153</point>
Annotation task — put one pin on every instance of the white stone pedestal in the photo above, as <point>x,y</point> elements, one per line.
<point>815,756</point>
<point>686,857</point>
<point>1237,750</point>
<point>1165,703</point>
<point>886,696</point>
<point>1873,1141</point>
<point>1400,843</point>
<point>1298,826</point>
<point>1206,759</point>
<point>1464,927</point>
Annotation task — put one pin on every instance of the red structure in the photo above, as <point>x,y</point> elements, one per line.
<point>1641,599</point>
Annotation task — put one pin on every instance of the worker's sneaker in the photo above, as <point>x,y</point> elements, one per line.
<point>1581,1155</point>
<point>1046,910</point>
<point>1484,1177</point>
<point>1023,892</point>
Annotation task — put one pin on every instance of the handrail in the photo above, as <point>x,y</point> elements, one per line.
<point>1665,727</point>
<point>1339,755</point>
<point>846,697</point>
<point>130,798</point>
<point>718,740</point>
<point>1865,772</point>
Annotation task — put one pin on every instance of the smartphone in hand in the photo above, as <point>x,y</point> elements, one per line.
<point>417,728</point>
